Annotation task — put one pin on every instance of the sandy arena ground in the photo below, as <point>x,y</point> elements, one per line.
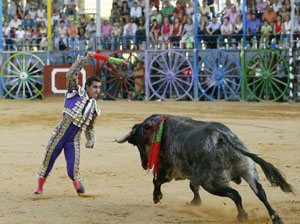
<point>118,189</point>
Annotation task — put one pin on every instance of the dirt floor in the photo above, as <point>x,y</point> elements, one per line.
<point>118,189</point>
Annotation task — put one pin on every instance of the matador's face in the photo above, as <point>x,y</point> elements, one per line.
<point>93,90</point>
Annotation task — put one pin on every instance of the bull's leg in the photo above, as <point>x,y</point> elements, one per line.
<point>235,196</point>
<point>255,185</point>
<point>157,195</point>
<point>195,188</point>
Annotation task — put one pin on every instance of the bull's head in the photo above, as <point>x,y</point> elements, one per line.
<point>141,136</point>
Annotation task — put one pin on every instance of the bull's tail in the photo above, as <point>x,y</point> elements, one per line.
<point>274,175</point>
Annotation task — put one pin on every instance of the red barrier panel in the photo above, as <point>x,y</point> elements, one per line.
<point>55,78</point>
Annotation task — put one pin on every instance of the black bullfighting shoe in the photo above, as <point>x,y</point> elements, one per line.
<point>78,187</point>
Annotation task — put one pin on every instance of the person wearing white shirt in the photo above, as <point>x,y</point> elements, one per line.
<point>129,33</point>
<point>40,13</point>
<point>15,22</point>
<point>20,34</point>
<point>135,11</point>
<point>12,9</point>
<point>277,6</point>
<point>91,29</point>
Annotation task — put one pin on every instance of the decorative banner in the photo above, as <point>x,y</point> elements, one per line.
<point>55,78</point>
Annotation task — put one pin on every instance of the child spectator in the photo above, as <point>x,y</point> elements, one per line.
<point>44,43</point>
<point>154,31</point>
<point>6,35</point>
<point>20,34</point>
<point>28,37</point>
<point>157,16</point>
<point>35,36</point>
<point>115,36</point>
<point>266,31</point>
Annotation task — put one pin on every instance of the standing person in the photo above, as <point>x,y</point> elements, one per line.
<point>80,112</point>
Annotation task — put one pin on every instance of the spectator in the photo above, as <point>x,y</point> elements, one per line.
<point>20,34</point>
<point>135,12</point>
<point>253,29</point>
<point>130,3</point>
<point>28,5</point>
<point>251,5</point>
<point>12,9</point>
<point>72,33</point>
<point>62,34</point>
<point>297,30</point>
<point>28,21</point>
<point>35,36</point>
<point>266,31</point>
<point>297,11</point>
<point>262,7</point>
<point>182,17</point>
<point>238,29</point>
<point>28,37</point>
<point>204,9</point>
<point>177,8</point>
<point>283,12</point>
<point>71,8</point>
<point>82,38</point>
<point>54,20</point>
<point>213,30</point>
<point>20,13</point>
<point>150,10</point>
<point>45,19</point>
<point>129,33</point>
<point>176,33</point>
<point>156,3</point>
<point>270,16</point>
<point>167,10</point>
<point>106,34</point>
<point>232,14</point>
<point>40,13</point>
<point>83,21</point>
<point>287,5</point>
<point>165,33</point>
<point>154,31</point>
<point>189,10</point>
<point>249,12</point>
<point>91,28</point>
<point>32,11</point>
<point>239,6</point>
<point>287,30</point>
<point>44,43</point>
<point>57,5</point>
<point>276,6</point>
<point>63,17</point>
<point>226,32</point>
<point>202,30</point>
<point>278,29</point>
<point>211,5</point>
<point>125,12</point>
<point>15,22</point>
<point>115,36</point>
<point>115,13</point>
<point>6,35</point>
<point>119,3</point>
<point>43,28</point>
<point>157,16</point>
<point>227,8</point>
<point>140,33</point>
<point>188,32</point>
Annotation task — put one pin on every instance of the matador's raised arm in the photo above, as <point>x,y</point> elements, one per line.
<point>72,74</point>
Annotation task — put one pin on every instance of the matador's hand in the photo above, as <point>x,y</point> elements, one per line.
<point>89,145</point>
<point>90,56</point>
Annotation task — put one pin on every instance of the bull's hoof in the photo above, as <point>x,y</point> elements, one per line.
<point>276,219</point>
<point>237,180</point>
<point>242,216</point>
<point>196,201</point>
<point>157,198</point>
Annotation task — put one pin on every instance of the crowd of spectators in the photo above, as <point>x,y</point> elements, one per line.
<point>26,26</point>
<point>171,24</point>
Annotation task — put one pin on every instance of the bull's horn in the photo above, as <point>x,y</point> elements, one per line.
<point>124,139</point>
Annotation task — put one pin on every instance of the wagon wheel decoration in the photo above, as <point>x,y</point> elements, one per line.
<point>23,77</point>
<point>120,81</point>
<point>170,76</point>
<point>267,75</point>
<point>219,76</point>
<point>73,55</point>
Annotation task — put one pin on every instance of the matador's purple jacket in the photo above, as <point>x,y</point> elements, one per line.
<point>79,113</point>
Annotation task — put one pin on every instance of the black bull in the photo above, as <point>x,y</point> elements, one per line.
<point>209,155</point>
